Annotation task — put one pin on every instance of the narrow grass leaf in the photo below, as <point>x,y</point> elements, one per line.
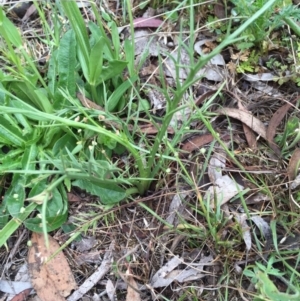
<point>52,73</point>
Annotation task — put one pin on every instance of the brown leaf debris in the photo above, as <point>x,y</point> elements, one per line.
<point>52,279</point>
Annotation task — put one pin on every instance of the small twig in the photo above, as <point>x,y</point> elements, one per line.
<point>15,248</point>
<point>120,273</point>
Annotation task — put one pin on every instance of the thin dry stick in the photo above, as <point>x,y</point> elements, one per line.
<point>120,273</point>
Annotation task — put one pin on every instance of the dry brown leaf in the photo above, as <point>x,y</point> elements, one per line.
<point>242,56</point>
<point>88,103</point>
<point>200,100</point>
<point>53,279</point>
<point>247,118</point>
<point>273,124</point>
<point>292,173</point>
<point>132,289</point>
<point>220,10</point>
<point>293,165</point>
<point>144,22</point>
<point>231,67</point>
<point>250,136</point>
<point>150,129</point>
<point>196,142</point>
<point>73,198</point>
<point>30,11</point>
<point>224,189</point>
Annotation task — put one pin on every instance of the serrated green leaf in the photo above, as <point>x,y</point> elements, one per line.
<point>115,38</point>
<point>96,62</point>
<point>51,136</point>
<point>42,101</point>
<point>3,215</point>
<point>112,69</point>
<point>66,61</point>
<point>55,205</point>
<point>9,31</point>
<point>10,134</point>
<point>73,13</point>
<point>66,141</point>
<point>29,94</point>
<point>53,223</point>
<point>14,224</point>
<point>15,196</point>
<point>52,73</point>
<point>111,195</point>
<point>10,164</point>
<point>10,156</point>
<point>29,157</point>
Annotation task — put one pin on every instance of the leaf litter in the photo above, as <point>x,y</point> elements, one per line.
<point>221,187</point>
<point>51,278</point>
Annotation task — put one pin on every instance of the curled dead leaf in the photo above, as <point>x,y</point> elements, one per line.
<point>247,118</point>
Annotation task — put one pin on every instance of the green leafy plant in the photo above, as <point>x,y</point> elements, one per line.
<point>50,142</point>
<point>249,63</point>
<point>281,12</point>
<point>267,290</point>
<point>38,151</point>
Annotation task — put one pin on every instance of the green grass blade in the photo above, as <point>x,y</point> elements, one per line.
<point>15,223</point>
